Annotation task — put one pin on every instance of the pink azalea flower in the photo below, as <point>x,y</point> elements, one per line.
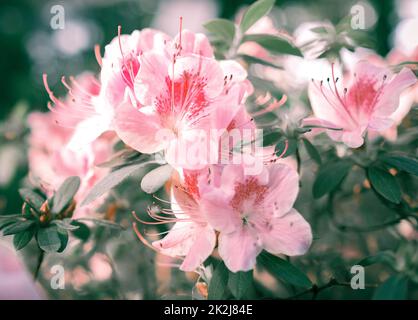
<point>253,213</point>
<point>120,63</point>
<point>51,161</point>
<point>82,110</point>
<point>92,104</point>
<point>177,97</point>
<point>191,237</point>
<point>366,104</point>
<point>406,99</point>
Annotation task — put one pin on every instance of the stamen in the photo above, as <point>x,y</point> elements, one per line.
<point>273,106</point>
<point>97,54</point>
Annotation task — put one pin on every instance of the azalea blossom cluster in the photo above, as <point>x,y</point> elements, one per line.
<point>172,97</point>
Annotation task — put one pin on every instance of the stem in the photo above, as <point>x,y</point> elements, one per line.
<point>38,264</point>
<point>298,160</point>
<point>345,228</point>
<point>315,290</point>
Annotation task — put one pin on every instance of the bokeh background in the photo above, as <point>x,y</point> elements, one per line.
<point>30,47</point>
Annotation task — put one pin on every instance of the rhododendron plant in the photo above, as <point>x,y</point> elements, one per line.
<point>259,159</point>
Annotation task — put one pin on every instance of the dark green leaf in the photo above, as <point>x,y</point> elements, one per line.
<point>384,184</point>
<point>385,257</point>
<point>17,227</point>
<point>271,137</point>
<point>394,288</point>
<point>20,240</point>
<point>122,157</point>
<point>329,176</point>
<point>255,60</point>
<point>63,235</point>
<point>6,222</point>
<point>312,151</point>
<point>65,224</point>
<point>156,178</point>
<point>10,216</point>
<point>404,163</point>
<point>255,12</point>
<point>112,180</point>
<point>222,28</point>
<point>283,270</point>
<point>32,198</point>
<point>103,223</point>
<point>240,282</point>
<point>49,239</point>
<point>273,43</point>
<point>65,194</point>
<point>218,286</point>
<point>82,232</point>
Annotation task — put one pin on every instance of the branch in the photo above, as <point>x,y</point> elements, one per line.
<point>315,289</point>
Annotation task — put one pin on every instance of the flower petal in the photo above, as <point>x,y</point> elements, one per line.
<point>139,129</point>
<point>388,101</point>
<point>239,249</point>
<point>283,188</point>
<point>289,234</point>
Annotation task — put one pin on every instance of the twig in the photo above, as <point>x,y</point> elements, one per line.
<point>315,289</point>
<point>39,264</point>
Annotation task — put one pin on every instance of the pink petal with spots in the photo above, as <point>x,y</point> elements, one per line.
<point>194,43</point>
<point>283,188</point>
<point>239,249</point>
<point>288,234</point>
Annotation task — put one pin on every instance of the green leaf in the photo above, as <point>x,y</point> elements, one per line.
<point>394,288</point>
<point>283,270</point>
<point>112,180</point>
<point>222,28</point>
<point>17,227</point>
<point>20,240</point>
<point>385,257</point>
<point>156,178</point>
<point>254,60</point>
<point>65,194</point>
<point>384,184</point>
<point>240,282</point>
<point>312,151</point>
<point>273,43</point>
<point>320,30</point>
<point>403,163</point>
<point>103,223</point>
<point>218,286</point>
<point>329,176</point>
<point>65,224</point>
<point>122,157</point>
<point>10,216</point>
<point>32,198</point>
<point>255,12</point>
<point>6,222</point>
<point>49,239</point>
<point>82,232</point>
<point>271,137</point>
<point>63,235</point>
